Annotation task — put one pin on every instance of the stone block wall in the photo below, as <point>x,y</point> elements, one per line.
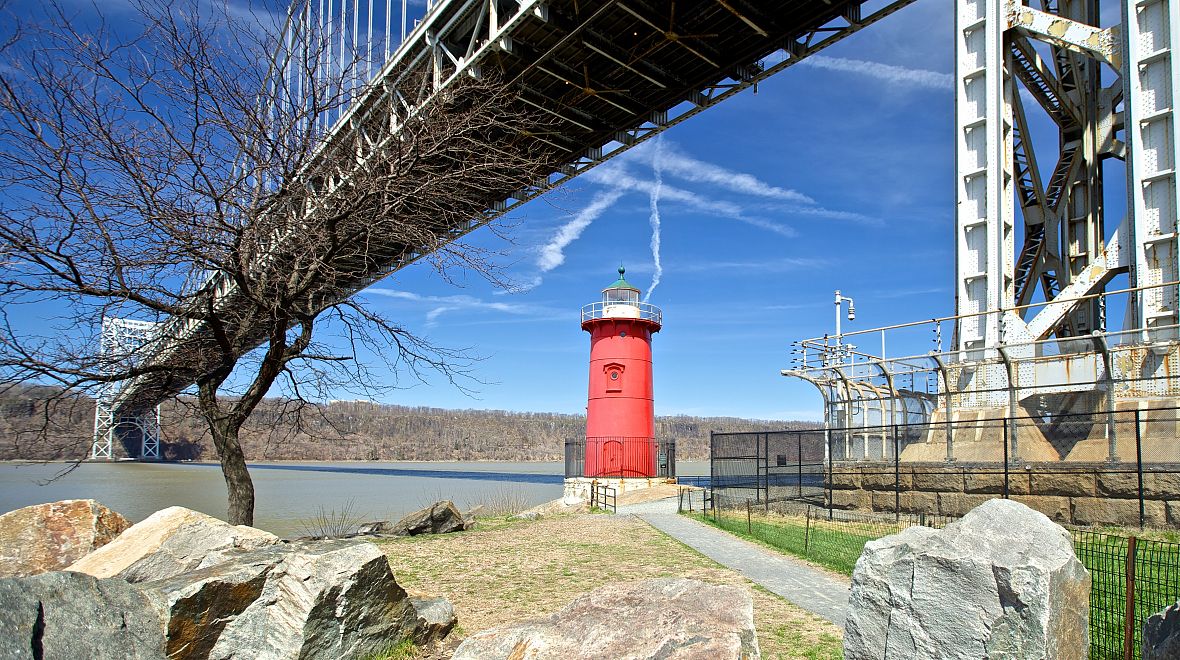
<point>1085,495</point>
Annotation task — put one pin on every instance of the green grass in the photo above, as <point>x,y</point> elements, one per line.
<point>837,545</point>
<point>403,650</point>
<point>833,546</point>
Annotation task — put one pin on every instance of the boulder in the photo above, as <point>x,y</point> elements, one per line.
<point>560,506</point>
<point>528,515</point>
<point>314,599</point>
<point>438,518</point>
<point>372,528</point>
<point>436,619</point>
<point>1002,582</point>
<point>49,537</point>
<point>170,542</point>
<point>660,618</point>
<point>1161,634</point>
<point>71,615</point>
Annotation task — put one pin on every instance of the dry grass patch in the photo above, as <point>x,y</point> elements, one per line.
<point>503,572</point>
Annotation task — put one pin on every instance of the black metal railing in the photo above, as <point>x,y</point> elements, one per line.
<point>620,457</point>
<point>604,497</point>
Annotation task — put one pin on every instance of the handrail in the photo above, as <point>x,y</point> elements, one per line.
<point>622,310</point>
<point>957,317</point>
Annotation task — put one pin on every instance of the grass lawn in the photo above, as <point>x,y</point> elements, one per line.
<point>504,572</point>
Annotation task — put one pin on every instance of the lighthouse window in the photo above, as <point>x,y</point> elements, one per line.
<point>614,375</point>
<point>623,333</point>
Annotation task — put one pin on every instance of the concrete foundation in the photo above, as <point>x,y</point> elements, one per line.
<point>1086,495</point>
<point>579,487</point>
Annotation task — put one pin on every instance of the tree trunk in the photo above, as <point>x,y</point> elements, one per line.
<point>238,484</point>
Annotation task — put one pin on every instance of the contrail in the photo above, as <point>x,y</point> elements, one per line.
<point>898,75</point>
<point>658,169</point>
<point>552,254</point>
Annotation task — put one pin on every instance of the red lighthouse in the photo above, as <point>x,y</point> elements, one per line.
<point>620,411</point>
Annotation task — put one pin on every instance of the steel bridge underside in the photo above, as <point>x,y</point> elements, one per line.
<point>609,75</point>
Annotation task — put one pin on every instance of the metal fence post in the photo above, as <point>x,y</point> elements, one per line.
<point>1005,458</point>
<point>1139,467</point>
<point>749,524</point>
<point>807,531</point>
<point>896,475</point>
<point>799,437</point>
<point>831,474</point>
<point>1129,612</point>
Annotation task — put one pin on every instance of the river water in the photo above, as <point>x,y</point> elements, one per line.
<point>289,495</point>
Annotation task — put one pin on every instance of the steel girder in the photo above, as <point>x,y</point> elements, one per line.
<point>1063,252</point>
<point>543,50</point>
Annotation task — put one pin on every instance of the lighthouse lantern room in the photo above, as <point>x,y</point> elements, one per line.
<point>621,447</point>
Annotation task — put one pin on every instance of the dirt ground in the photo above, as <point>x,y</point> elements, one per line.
<point>505,571</point>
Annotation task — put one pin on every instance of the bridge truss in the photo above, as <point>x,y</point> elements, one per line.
<point>608,75</point>
<point>1037,243</point>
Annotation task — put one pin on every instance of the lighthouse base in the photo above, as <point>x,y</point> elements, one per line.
<point>579,488</point>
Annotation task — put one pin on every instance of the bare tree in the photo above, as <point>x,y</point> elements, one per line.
<point>156,170</point>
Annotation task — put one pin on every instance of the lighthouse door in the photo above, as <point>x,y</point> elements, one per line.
<point>612,458</point>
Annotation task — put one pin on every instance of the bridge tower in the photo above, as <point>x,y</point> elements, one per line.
<point>1066,297</point>
<point>620,407</point>
<point>121,339</point>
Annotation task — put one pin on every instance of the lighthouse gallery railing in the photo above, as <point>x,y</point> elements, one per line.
<point>622,310</point>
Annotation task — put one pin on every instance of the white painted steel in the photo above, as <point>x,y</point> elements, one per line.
<point>1150,83</point>
<point>121,341</point>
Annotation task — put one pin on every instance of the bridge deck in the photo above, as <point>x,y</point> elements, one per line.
<point>609,73</point>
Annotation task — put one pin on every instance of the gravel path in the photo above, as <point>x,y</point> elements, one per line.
<point>807,587</point>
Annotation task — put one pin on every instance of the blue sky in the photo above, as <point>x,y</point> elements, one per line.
<point>837,174</point>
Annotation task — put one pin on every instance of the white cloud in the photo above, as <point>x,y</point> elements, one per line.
<point>553,253</point>
<point>896,75</point>
<point>440,305</point>
<point>682,166</point>
<point>771,266</point>
<point>617,177</point>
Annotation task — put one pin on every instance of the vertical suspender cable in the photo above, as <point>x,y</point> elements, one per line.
<point>330,43</point>
<point>321,85</point>
<point>403,22</point>
<point>388,10</point>
<point>369,46</point>
<point>356,52</point>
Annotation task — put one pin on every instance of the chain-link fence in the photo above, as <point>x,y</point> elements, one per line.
<point>768,467</point>
<point>1113,468</point>
<point>835,539</point>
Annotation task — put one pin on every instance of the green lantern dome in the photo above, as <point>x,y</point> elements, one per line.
<point>622,282</point>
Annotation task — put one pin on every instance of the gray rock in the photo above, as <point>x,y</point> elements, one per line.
<point>49,537</point>
<point>436,619</point>
<point>661,618</point>
<point>1161,635</point>
<point>71,615</point>
<point>372,528</point>
<point>528,515</point>
<point>170,542</point>
<point>438,518</point>
<point>321,599</point>
<point>1003,582</point>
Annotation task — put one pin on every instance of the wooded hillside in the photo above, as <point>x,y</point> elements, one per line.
<point>346,430</point>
